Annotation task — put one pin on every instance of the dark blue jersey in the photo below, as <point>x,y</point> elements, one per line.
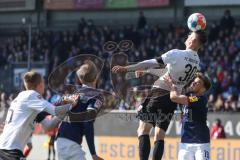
<point>75,130</point>
<point>194,126</point>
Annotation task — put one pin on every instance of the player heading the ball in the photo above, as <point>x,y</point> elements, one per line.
<point>181,65</point>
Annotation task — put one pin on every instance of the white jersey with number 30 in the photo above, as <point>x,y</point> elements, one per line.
<point>181,66</point>
<point>20,119</point>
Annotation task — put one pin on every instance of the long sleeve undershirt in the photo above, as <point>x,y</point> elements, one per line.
<point>151,63</point>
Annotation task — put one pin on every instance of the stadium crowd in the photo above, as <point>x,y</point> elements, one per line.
<point>220,57</point>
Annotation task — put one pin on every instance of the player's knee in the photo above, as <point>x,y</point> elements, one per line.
<point>144,129</point>
<point>159,134</point>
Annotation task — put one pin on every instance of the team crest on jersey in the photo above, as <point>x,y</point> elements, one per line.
<point>193,99</point>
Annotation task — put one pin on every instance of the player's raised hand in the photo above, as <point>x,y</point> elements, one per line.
<point>119,69</point>
<point>140,73</point>
<point>96,157</point>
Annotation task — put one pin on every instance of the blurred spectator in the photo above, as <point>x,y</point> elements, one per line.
<point>227,21</point>
<point>27,149</point>
<point>4,105</point>
<point>1,127</point>
<point>210,103</point>
<point>219,104</point>
<point>52,137</point>
<point>238,103</point>
<point>220,58</point>
<point>123,105</point>
<point>4,101</point>
<point>229,104</point>
<point>213,33</point>
<point>142,22</point>
<point>217,130</point>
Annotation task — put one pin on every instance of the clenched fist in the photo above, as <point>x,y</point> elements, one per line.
<point>119,69</point>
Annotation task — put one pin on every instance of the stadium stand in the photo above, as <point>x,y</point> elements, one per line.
<point>220,56</point>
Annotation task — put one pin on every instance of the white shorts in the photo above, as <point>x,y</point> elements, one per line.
<point>188,151</point>
<point>69,150</point>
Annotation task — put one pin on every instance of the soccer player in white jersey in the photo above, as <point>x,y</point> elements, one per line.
<point>26,109</point>
<point>157,111</point>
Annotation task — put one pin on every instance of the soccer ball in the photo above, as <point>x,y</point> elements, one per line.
<point>196,22</point>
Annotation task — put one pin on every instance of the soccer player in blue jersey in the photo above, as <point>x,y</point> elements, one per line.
<point>195,136</point>
<point>81,118</point>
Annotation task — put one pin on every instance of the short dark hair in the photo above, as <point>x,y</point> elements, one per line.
<point>88,72</point>
<point>31,79</point>
<point>202,36</point>
<point>206,81</point>
<point>219,122</point>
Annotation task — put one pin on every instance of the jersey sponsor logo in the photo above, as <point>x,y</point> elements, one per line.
<point>193,99</point>
<point>191,60</point>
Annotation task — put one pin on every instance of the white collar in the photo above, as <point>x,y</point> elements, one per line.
<point>84,85</point>
<point>191,50</point>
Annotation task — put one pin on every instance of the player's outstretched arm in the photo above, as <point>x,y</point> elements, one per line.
<point>152,63</point>
<point>82,116</point>
<point>156,72</point>
<point>174,95</point>
<point>63,106</point>
<point>50,124</point>
<point>36,102</point>
<point>119,69</point>
<point>59,111</point>
<point>47,123</point>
